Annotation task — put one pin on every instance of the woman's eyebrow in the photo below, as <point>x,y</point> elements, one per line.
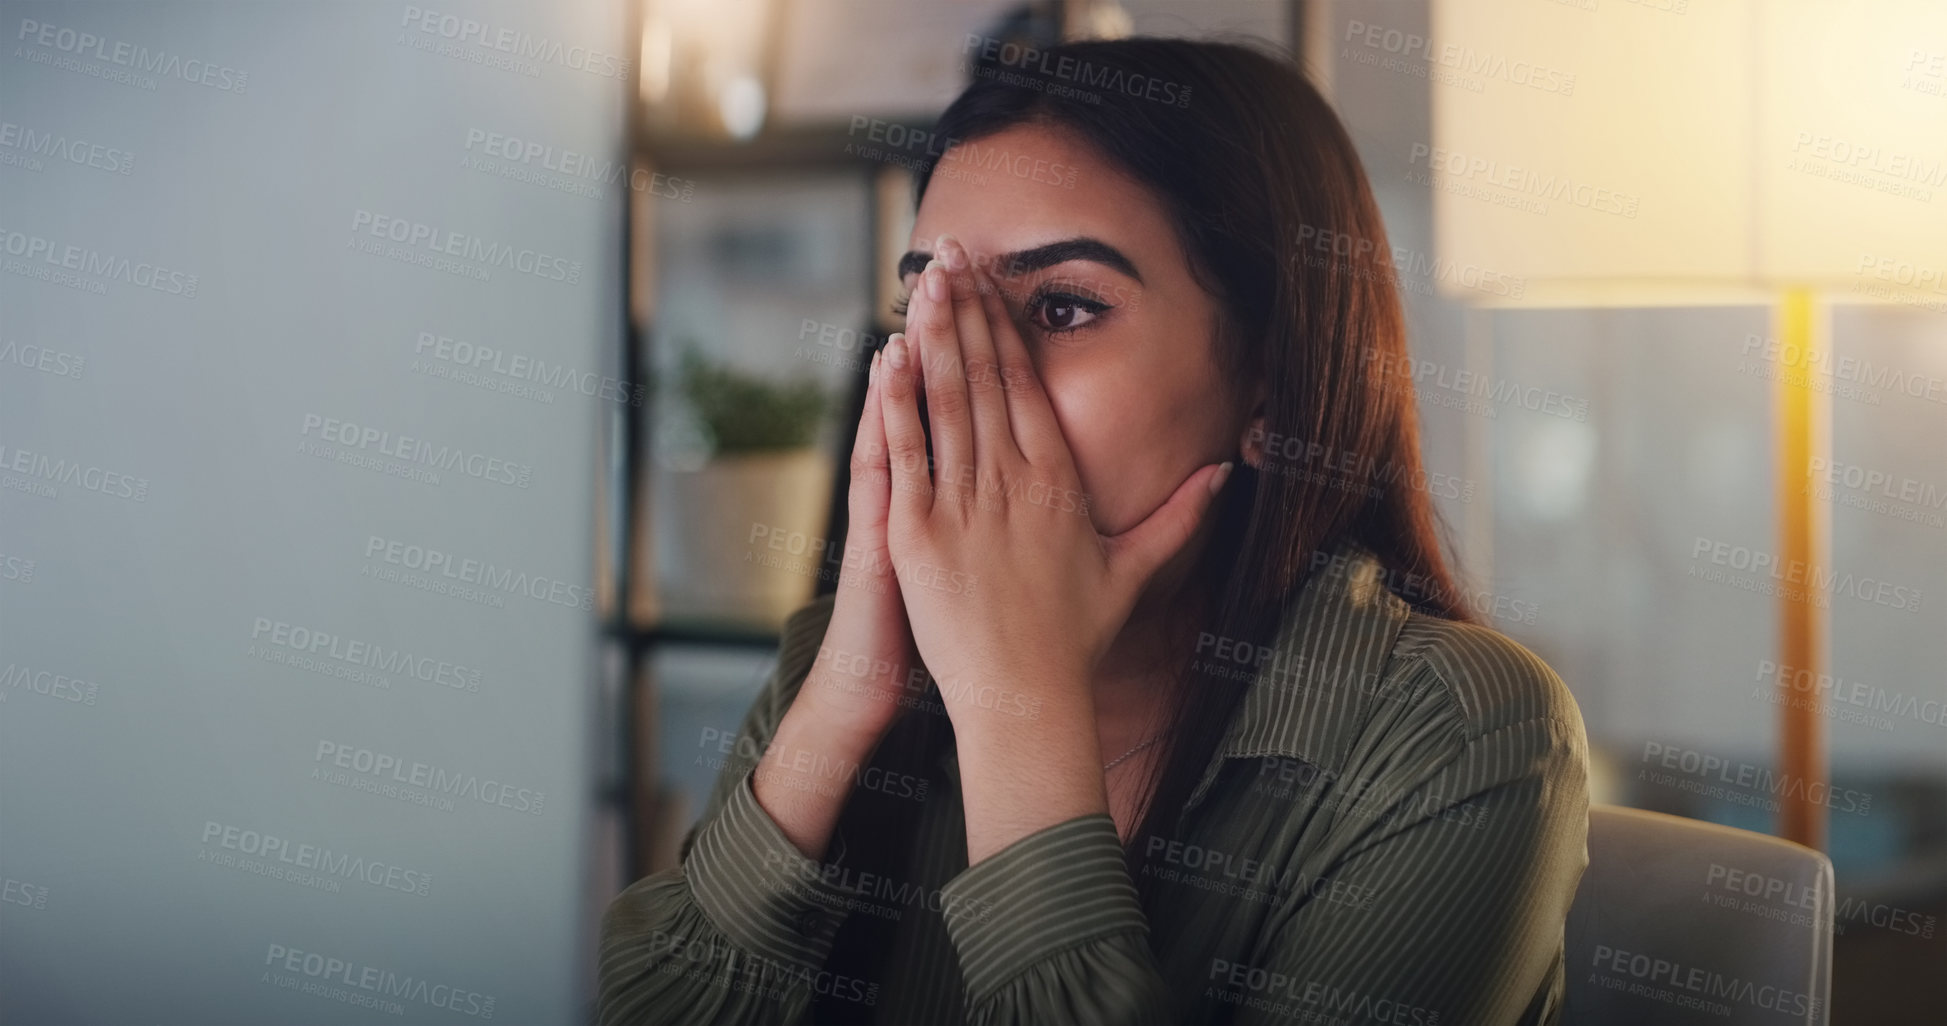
<point>913,262</point>
<point>1025,261</point>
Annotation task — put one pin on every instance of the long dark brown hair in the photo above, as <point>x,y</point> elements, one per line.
<point>1279,224</point>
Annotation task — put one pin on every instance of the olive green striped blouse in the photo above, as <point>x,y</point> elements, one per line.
<point>1391,832</point>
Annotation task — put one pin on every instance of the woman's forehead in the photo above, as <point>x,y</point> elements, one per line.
<point>1017,207</point>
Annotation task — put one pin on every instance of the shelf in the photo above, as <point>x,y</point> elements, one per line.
<point>718,632</point>
<point>801,148</point>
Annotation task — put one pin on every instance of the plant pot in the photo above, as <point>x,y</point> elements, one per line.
<point>742,538</point>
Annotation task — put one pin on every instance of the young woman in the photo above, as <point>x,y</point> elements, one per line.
<point>1146,696</point>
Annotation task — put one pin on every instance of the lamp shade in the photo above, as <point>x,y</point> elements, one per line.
<point>1676,152</point>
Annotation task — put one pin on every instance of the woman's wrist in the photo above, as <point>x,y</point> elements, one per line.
<point>857,684</point>
<point>859,680</point>
<point>1021,774</point>
<point>806,774</point>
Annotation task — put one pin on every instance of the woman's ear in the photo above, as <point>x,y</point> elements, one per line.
<point>1251,444</point>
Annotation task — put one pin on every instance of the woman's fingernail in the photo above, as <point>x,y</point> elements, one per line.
<point>952,252</point>
<point>935,279</point>
<point>872,372</point>
<point>1217,480</point>
<point>896,350</point>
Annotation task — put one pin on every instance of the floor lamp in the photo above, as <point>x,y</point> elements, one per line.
<point>1785,153</point>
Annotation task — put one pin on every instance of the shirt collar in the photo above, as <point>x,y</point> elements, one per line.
<point>1310,690</point>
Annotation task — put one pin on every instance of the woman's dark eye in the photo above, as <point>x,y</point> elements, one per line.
<point>1058,312</point>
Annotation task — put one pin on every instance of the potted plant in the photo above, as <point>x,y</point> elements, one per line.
<point>747,511</point>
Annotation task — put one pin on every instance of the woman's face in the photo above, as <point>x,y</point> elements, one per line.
<point>1122,337</point>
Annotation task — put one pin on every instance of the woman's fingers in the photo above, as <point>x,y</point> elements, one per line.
<point>993,437</point>
<point>930,324</point>
<point>1036,432</point>
<point>869,455</point>
<point>1136,554</point>
<point>912,480</point>
<point>869,497</point>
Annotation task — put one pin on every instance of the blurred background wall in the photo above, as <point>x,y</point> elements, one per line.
<point>300,404</point>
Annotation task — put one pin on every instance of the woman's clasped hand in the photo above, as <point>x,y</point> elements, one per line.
<point>1012,595</point>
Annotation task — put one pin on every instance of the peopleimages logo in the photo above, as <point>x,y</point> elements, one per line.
<point>1870,157</point>
<point>22,893</point>
<point>1791,578</point>
<point>1462,59</point>
<point>1009,54</point>
<point>805,761</point>
<point>79,152</point>
<point>510,371</point>
<point>1774,677</point>
<point>1826,371</point>
<point>1878,491</point>
<point>1240,876</point>
<point>433,779</point>
<point>43,359</point>
<point>514,43</point>
<point>1410,269</point>
<point>1349,470</point>
<point>378,985</point>
<point>881,895</point>
<point>38,473</point>
<point>575,165</point>
<point>450,568</point>
<point>93,263</point>
<point>408,449</point>
<point>16,568</point>
<point>750,973</point>
<point>1433,375</point>
<point>49,683</point>
<point>355,652</point>
<point>425,244</point>
<point>1700,984</point>
<point>88,46</point>
<point>918,149</point>
<point>294,855</point>
<point>1925,277</point>
<point>1297,1000</point>
<point>1912,278</point>
<point>1715,776</point>
<point>1525,182</point>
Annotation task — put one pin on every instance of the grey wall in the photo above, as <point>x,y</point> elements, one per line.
<point>225,457</point>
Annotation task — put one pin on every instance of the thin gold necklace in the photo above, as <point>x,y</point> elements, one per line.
<point>1111,764</point>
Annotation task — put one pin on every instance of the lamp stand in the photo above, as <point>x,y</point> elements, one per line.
<point>1803,421</point>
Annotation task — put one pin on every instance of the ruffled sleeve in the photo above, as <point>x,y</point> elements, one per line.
<point>1049,929</point>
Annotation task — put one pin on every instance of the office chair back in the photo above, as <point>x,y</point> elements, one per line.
<point>1681,921</point>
